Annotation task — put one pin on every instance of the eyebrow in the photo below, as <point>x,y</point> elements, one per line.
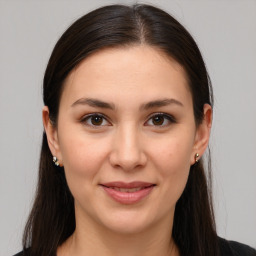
<point>101,104</point>
<point>93,103</point>
<point>160,103</point>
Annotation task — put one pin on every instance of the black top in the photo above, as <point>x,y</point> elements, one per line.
<point>231,248</point>
<point>227,248</point>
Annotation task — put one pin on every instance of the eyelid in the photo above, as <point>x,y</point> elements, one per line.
<point>169,117</point>
<point>86,117</point>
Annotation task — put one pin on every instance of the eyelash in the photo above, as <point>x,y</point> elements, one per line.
<point>85,119</point>
<point>170,119</point>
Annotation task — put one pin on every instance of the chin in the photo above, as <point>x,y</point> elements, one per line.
<point>128,222</point>
<point>127,227</point>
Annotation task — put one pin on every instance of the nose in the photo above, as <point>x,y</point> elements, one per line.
<point>127,152</point>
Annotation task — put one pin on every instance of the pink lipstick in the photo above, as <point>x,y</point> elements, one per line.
<point>128,193</point>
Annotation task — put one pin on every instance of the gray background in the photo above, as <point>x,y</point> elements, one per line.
<point>226,33</point>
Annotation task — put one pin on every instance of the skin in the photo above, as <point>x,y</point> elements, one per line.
<point>128,144</point>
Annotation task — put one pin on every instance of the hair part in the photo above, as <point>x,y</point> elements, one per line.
<point>52,219</point>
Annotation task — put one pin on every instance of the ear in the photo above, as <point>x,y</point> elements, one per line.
<point>202,134</point>
<point>52,135</point>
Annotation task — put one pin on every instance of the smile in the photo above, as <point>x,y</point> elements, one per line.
<point>128,190</point>
<point>128,193</point>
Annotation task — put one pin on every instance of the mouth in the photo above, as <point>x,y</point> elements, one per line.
<point>128,193</point>
<point>127,190</point>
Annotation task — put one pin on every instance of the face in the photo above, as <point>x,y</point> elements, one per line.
<point>126,136</point>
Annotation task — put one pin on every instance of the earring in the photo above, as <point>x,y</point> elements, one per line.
<point>55,160</point>
<point>197,157</point>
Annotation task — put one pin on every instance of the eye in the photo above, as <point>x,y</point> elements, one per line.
<point>160,119</point>
<point>95,120</point>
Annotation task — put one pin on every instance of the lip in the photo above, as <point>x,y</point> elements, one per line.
<point>128,193</point>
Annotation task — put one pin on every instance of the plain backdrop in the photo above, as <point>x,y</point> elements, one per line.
<point>225,31</point>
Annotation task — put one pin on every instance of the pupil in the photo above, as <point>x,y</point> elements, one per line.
<point>97,120</point>
<point>158,120</point>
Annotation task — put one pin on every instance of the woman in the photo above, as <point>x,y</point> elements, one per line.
<point>127,118</point>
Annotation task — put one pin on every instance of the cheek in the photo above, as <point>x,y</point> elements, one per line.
<point>83,156</point>
<point>174,168</point>
<point>173,156</point>
<point>83,160</point>
<point>172,161</point>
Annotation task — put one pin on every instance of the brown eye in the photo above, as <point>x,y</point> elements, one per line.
<point>158,120</point>
<point>95,120</point>
<point>161,120</point>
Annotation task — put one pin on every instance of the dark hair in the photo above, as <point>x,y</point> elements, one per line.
<point>52,219</point>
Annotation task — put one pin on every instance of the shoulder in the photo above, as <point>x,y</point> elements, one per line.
<point>19,254</point>
<point>231,248</point>
<point>23,253</point>
<point>227,248</point>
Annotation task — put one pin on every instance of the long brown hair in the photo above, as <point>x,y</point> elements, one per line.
<point>52,219</point>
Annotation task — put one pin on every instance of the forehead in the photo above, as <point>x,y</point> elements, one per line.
<point>137,72</point>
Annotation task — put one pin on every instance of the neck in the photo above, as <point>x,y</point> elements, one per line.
<point>92,239</point>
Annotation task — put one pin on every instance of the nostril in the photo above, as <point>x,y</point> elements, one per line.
<point>127,152</point>
<point>129,161</point>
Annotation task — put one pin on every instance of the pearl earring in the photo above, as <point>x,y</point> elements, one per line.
<point>197,157</point>
<point>55,160</point>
